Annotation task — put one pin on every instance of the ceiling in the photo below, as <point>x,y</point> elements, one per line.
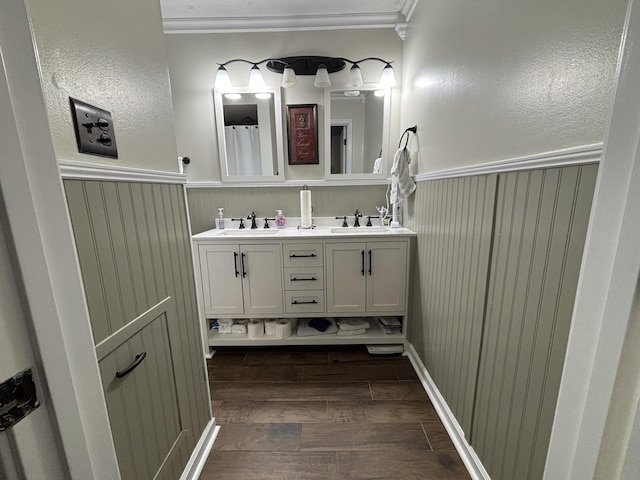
<point>184,16</point>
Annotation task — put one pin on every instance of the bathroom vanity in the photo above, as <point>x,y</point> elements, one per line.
<point>296,273</point>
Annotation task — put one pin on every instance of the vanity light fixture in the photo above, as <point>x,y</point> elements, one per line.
<point>256,81</point>
<point>319,66</point>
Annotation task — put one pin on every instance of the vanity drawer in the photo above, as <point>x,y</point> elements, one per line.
<point>304,302</point>
<point>304,278</point>
<point>303,255</point>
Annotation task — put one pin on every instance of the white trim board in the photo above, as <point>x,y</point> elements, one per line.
<point>466,452</point>
<point>292,183</point>
<point>92,171</point>
<point>553,159</point>
<point>200,453</point>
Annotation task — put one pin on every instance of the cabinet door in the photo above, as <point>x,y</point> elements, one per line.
<point>345,277</point>
<point>261,267</point>
<point>144,409</point>
<point>221,279</point>
<point>386,276</point>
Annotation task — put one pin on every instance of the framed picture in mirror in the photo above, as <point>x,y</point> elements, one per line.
<point>302,132</point>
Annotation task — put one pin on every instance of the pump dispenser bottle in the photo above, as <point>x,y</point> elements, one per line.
<point>221,218</point>
<point>280,220</point>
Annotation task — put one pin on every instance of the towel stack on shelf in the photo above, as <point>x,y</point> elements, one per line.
<point>390,325</point>
<point>352,326</point>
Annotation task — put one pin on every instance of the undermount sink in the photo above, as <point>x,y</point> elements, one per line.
<point>250,232</point>
<point>361,230</point>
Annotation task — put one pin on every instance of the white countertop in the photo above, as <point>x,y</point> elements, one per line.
<point>294,232</point>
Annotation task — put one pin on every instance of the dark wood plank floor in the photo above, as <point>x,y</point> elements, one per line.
<point>324,413</point>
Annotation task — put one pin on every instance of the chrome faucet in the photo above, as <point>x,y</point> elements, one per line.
<point>252,217</point>
<point>357,214</point>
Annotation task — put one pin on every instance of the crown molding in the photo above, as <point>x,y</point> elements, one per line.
<point>407,8</point>
<point>557,158</point>
<point>283,23</point>
<point>92,171</point>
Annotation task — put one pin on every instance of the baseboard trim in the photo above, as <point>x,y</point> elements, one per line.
<point>466,452</point>
<point>200,454</point>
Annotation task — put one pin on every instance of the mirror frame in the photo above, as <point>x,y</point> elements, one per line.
<point>386,124</point>
<point>279,137</point>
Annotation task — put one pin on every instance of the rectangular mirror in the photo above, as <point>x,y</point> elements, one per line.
<point>249,128</point>
<point>356,132</point>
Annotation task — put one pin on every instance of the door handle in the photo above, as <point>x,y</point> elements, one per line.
<point>362,269</point>
<point>244,272</point>
<point>370,263</point>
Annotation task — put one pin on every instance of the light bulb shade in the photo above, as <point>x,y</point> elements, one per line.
<point>355,76</point>
<point>222,78</point>
<point>322,77</point>
<point>256,80</point>
<point>388,77</point>
<point>289,78</point>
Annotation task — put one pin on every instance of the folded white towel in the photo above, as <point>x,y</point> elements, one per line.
<point>224,329</point>
<point>347,333</point>
<point>225,321</point>
<point>402,185</point>
<point>239,326</point>
<point>353,324</point>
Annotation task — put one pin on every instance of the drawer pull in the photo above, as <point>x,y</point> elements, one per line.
<point>312,255</point>
<point>296,302</point>
<point>296,279</point>
<point>130,368</point>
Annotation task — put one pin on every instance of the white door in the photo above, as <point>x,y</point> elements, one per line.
<point>346,269</point>
<point>220,269</point>
<point>386,276</point>
<point>33,438</point>
<point>261,267</point>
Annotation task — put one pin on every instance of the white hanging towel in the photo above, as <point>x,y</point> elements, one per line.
<point>402,185</point>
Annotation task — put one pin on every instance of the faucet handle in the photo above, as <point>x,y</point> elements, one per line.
<point>241,220</point>
<point>369,217</point>
<point>266,221</point>
<point>344,220</point>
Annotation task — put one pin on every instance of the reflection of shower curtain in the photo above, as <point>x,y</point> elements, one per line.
<point>243,150</point>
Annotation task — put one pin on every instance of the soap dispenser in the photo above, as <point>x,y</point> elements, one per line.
<point>221,218</point>
<point>280,220</point>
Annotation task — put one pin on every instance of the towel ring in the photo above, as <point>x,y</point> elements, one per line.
<point>413,130</point>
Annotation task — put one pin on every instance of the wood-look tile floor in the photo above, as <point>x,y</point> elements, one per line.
<point>324,413</point>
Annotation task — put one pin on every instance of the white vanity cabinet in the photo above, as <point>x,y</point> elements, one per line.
<point>366,277</point>
<point>240,279</point>
<point>298,274</point>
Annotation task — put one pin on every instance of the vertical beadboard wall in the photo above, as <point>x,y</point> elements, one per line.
<point>498,259</point>
<point>327,202</point>
<point>134,250</point>
<point>453,219</point>
<point>540,228</point>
